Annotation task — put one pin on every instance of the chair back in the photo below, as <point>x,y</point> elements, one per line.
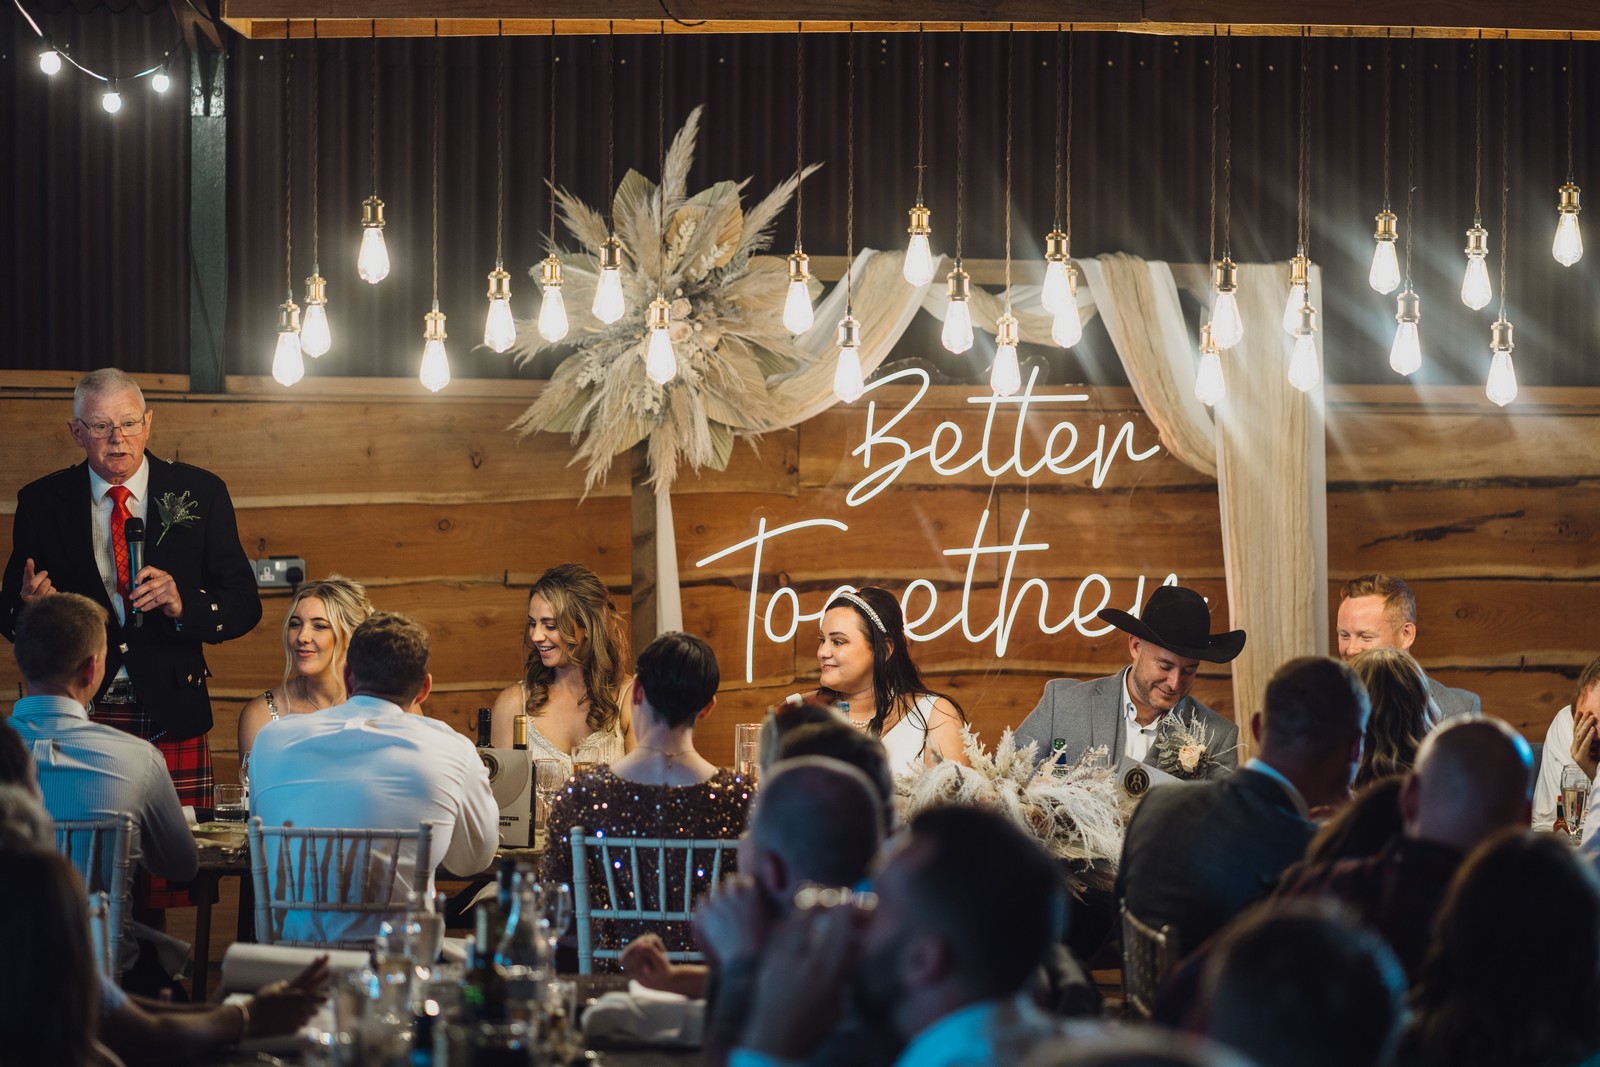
<point>1148,953</point>
<point>105,953</point>
<point>99,850</point>
<point>332,872</point>
<point>668,885</point>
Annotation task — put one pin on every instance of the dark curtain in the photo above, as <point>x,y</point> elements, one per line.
<point>1139,169</point>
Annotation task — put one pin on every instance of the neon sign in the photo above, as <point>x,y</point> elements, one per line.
<point>783,615</point>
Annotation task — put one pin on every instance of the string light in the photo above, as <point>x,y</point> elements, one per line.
<point>553,323</point>
<point>660,361</point>
<point>798,315</point>
<point>848,382</point>
<point>435,372</point>
<point>957,332</point>
<point>1568,245</point>
<point>287,365</point>
<point>52,60</point>
<point>1384,276</point>
<point>1060,293</point>
<point>315,337</point>
<point>500,326</point>
<point>372,263</point>
<point>609,304</point>
<point>918,266</point>
<point>1476,291</point>
<point>1405,355</point>
<point>1501,387</point>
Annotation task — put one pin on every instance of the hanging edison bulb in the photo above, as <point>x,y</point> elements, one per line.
<point>1476,290</point>
<point>660,361</point>
<point>435,374</point>
<point>1058,288</point>
<point>373,261</point>
<point>1305,370</point>
<point>500,326</point>
<point>1209,386</point>
<point>1227,327</point>
<point>918,268</point>
<point>848,384</point>
<point>315,337</point>
<point>1005,377</point>
<point>1384,277</point>
<point>1568,246</point>
<point>1405,356</point>
<point>287,366</point>
<point>608,304</point>
<point>1299,271</point>
<point>1066,329</point>
<point>798,315</point>
<point>957,332</point>
<point>1502,386</point>
<point>552,306</point>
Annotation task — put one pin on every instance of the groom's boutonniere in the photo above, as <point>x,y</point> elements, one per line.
<point>176,510</point>
<point>1183,748</point>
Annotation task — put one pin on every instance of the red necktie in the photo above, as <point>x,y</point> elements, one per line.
<point>119,540</point>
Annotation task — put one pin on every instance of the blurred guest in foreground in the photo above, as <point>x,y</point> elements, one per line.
<point>316,639</point>
<point>574,672</point>
<point>1399,720</point>
<point>1514,971</point>
<point>1138,1048</point>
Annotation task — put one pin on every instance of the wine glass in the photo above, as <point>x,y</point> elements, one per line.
<point>557,899</point>
<point>549,777</point>
<point>1575,798</point>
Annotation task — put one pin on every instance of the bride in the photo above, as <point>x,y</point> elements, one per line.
<point>867,673</point>
<point>575,665</point>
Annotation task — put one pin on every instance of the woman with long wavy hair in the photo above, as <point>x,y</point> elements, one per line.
<point>868,674</point>
<point>51,1007</point>
<point>1400,718</point>
<point>576,664</point>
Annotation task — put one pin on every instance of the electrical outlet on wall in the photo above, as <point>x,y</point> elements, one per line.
<point>279,572</point>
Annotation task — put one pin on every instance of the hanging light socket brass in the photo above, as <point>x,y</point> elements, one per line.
<point>849,332</point>
<point>550,272</point>
<point>1308,320</point>
<point>372,213</point>
<point>1387,222</point>
<point>1057,247</point>
<point>1208,344</point>
<point>960,284</point>
<point>1500,336</point>
<point>611,253</point>
<point>1299,270</point>
<point>499,284</point>
<point>659,315</point>
<point>433,325</point>
<point>1569,199</point>
<point>921,221</point>
<point>1477,240</point>
<point>1227,276</point>
<point>1005,330</point>
<point>288,317</point>
<point>316,290</point>
<point>1409,308</point>
<point>799,266</point>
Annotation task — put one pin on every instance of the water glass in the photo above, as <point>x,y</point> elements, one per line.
<point>747,751</point>
<point>1575,799</point>
<point>549,778</point>
<point>229,803</point>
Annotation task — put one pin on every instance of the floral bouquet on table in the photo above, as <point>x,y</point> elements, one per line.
<point>1184,749</point>
<point>1075,812</point>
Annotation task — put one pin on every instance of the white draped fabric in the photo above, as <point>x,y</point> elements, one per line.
<point>1263,445</point>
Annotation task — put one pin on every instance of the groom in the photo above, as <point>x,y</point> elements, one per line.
<point>1145,711</point>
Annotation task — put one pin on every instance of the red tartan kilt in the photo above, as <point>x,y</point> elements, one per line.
<point>189,764</point>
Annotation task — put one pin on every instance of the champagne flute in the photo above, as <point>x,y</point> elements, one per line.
<point>1575,798</point>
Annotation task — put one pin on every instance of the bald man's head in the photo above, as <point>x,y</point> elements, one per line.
<point>821,818</point>
<point>1472,777</point>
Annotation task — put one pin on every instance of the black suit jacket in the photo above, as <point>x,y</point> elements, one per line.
<point>165,661</point>
<point>1198,853</point>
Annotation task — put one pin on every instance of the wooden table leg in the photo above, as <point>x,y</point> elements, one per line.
<point>205,887</point>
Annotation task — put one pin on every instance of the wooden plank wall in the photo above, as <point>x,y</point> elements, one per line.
<point>446,516</point>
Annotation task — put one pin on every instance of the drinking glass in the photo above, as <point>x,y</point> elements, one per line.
<point>229,801</point>
<point>1575,798</point>
<point>557,898</point>
<point>747,751</point>
<point>549,777</point>
<point>561,1019</point>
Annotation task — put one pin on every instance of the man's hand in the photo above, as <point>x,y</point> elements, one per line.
<point>732,924</point>
<point>155,588</point>
<point>801,985</point>
<point>644,959</point>
<point>35,585</point>
<point>284,1007</point>
<point>1586,743</point>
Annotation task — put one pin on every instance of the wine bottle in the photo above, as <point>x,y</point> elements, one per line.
<point>485,727</point>
<point>519,733</point>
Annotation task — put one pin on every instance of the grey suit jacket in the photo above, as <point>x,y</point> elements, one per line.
<point>1453,701</point>
<point>1082,715</point>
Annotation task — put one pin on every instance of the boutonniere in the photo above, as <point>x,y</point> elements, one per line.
<point>176,510</point>
<point>1184,748</point>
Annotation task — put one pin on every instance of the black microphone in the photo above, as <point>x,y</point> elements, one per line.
<point>133,534</point>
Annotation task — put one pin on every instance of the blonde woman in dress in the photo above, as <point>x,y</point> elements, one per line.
<point>576,665</point>
<point>316,634</point>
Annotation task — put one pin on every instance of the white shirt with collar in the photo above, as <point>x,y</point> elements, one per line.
<point>1137,740</point>
<point>367,764</point>
<point>102,505</point>
<point>1556,759</point>
<point>88,770</point>
<point>1261,767</point>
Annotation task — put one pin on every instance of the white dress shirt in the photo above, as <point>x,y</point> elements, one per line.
<point>1138,739</point>
<point>88,770</point>
<point>138,506</point>
<point>1556,759</point>
<point>367,764</point>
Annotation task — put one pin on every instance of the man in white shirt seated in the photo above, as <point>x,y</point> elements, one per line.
<point>1575,722</point>
<point>967,904</point>
<point>87,770</point>
<point>376,762</point>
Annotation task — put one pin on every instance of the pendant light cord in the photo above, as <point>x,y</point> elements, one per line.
<point>961,132</point>
<point>500,148</point>
<point>922,103</point>
<point>552,136</point>
<point>1477,137</point>
<point>1411,150</point>
<point>1060,118</point>
<point>315,153</point>
<point>1011,49</point>
<point>1388,48</point>
<point>1303,238</point>
<point>1211,172</point>
<point>1066,145</point>
<point>850,171</point>
<point>799,114</point>
<point>661,148</point>
<point>611,128</point>
<point>1227,146</point>
<point>372,115</point>
<point>438,79</point>
<point>288,162</point>
<point>1571,74</point>
<point>1505,166</point>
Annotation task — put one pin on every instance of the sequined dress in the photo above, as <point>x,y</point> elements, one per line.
<point>603,803</point>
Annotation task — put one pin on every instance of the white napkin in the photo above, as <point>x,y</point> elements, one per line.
<point>246,967</point>
<point>646,1016</point>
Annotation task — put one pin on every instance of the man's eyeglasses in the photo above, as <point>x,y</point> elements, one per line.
<point>101,430</point>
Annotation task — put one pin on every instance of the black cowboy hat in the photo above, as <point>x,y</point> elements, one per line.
<point>1178,620</point>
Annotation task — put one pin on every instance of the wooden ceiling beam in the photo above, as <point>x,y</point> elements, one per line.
<point>1529,19</point>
